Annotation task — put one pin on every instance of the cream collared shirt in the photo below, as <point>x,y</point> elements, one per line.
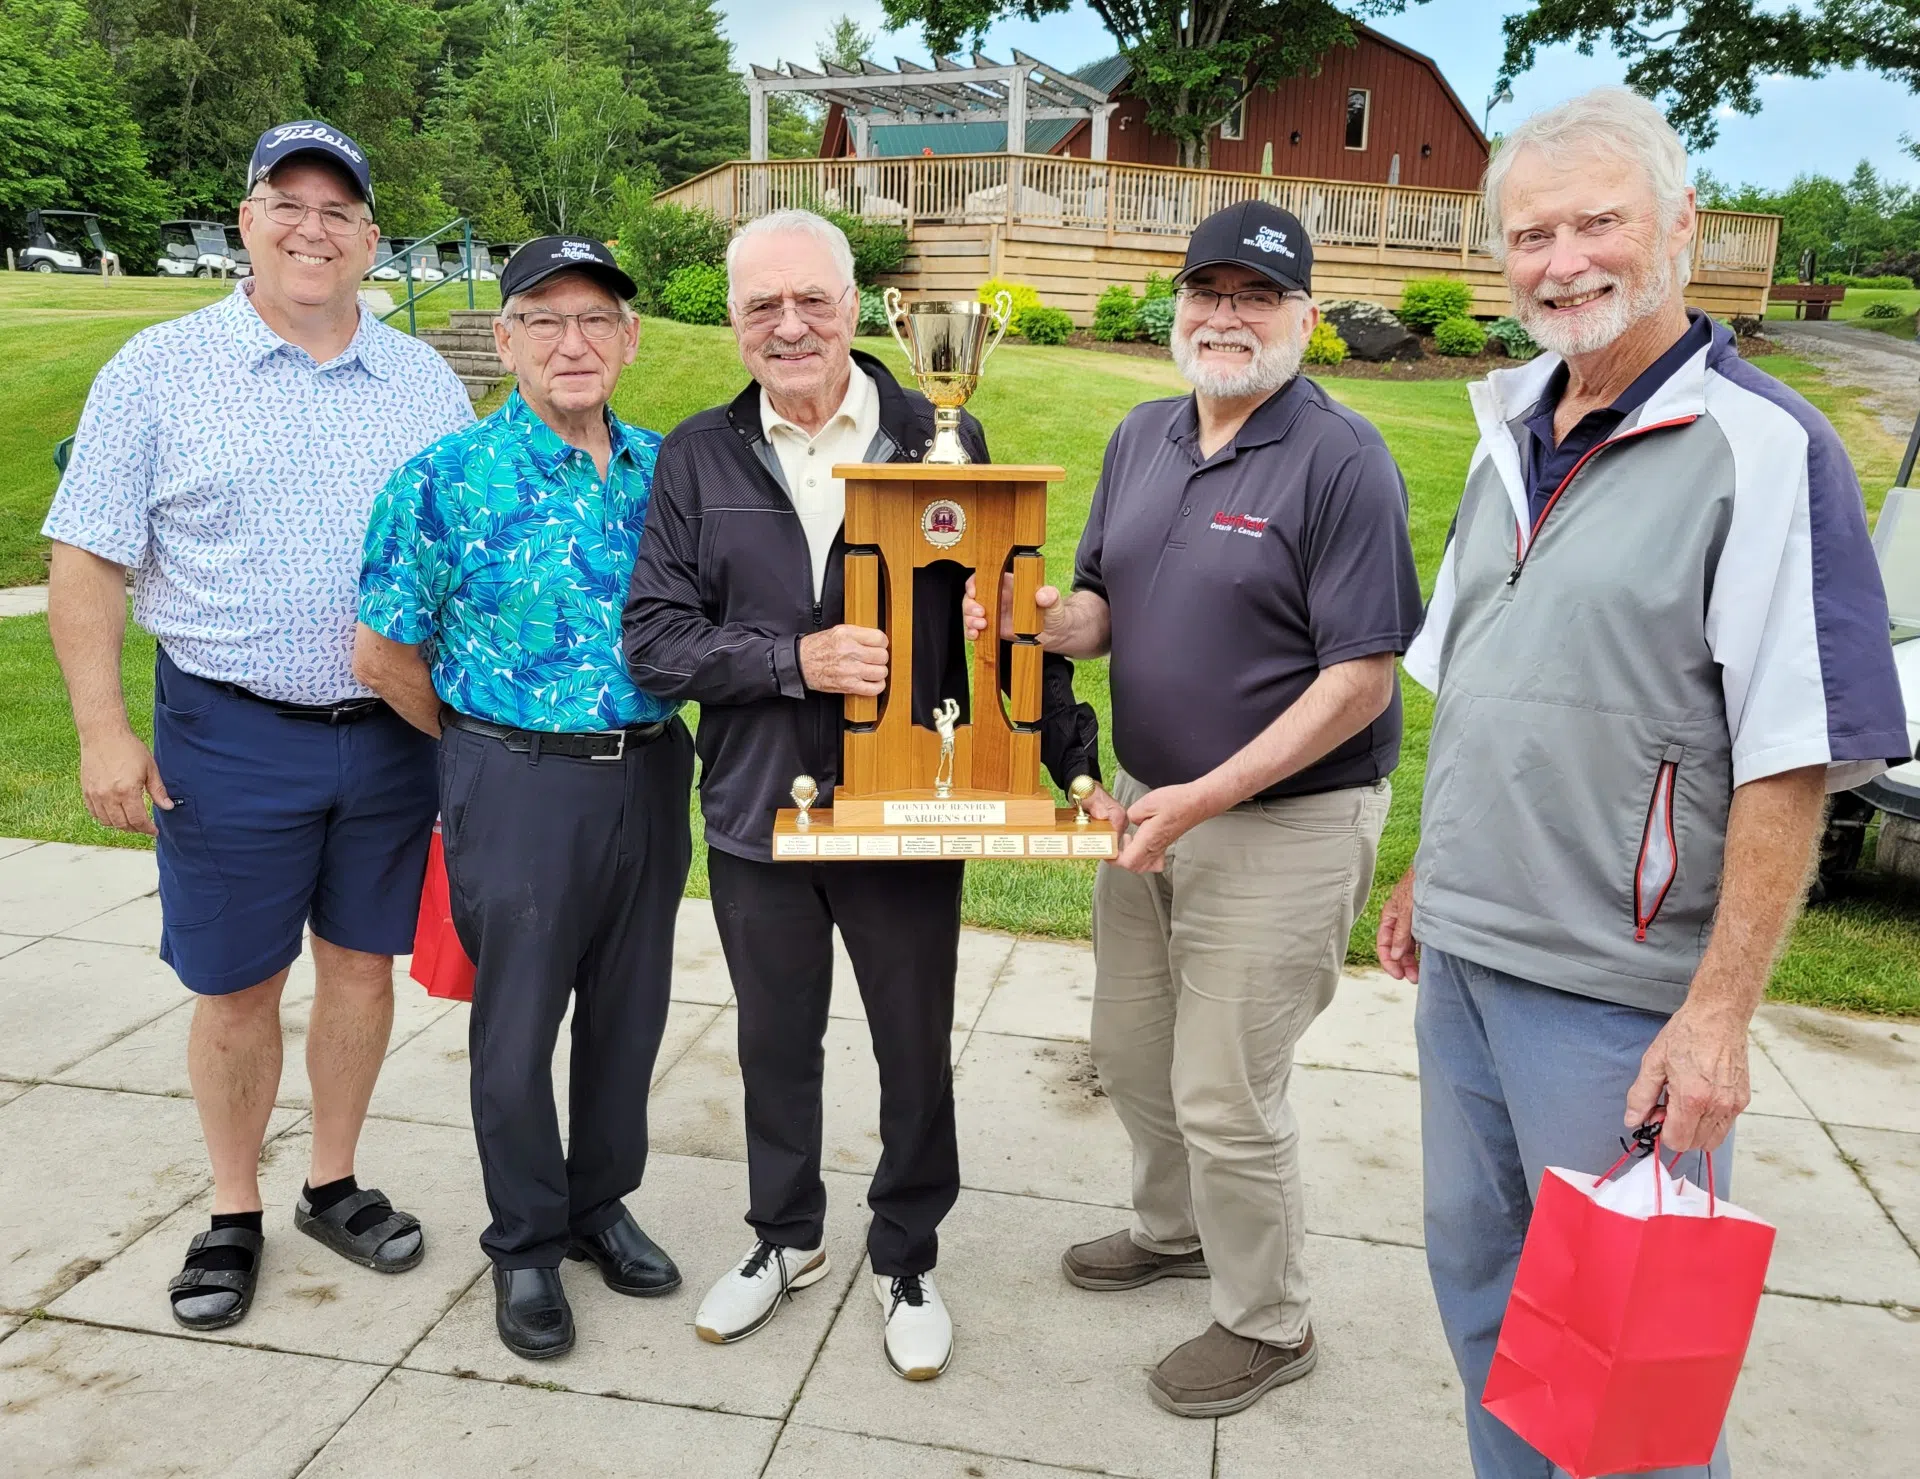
<point>807,462</point>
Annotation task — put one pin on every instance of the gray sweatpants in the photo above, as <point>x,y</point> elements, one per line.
<point>1516,1077</point>
<point>1205,977</point>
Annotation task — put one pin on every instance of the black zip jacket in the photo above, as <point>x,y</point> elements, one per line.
<point>722,592</point>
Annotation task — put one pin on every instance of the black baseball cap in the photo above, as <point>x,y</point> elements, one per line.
<point>285,141</point>
<point>540,258</point>
<point>1257,236</point>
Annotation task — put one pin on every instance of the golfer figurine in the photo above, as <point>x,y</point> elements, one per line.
<point>943,721</point>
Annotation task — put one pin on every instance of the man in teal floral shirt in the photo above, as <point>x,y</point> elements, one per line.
<point>495,568</point>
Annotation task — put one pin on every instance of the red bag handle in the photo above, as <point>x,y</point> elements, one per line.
<point>1646,1142</point>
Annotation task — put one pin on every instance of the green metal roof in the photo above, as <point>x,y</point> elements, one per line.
<point>898,140</point>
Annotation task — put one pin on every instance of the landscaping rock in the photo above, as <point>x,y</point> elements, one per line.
<point>1371,332</point>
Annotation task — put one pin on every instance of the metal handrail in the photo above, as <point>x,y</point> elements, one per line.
<point>465,226</point>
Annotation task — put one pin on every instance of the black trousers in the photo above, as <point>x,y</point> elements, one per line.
<point>901,924</point>
<point>565,877</point>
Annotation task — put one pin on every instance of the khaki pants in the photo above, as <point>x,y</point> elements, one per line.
<point>1205,977</point>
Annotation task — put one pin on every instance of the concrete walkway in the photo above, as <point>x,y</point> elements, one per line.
<point>340,1372</point>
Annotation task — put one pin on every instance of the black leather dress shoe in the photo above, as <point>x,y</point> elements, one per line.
<point>630,1261</point>
<point>531,1312</point>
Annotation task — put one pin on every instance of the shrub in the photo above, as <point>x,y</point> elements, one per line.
<point>873,312</point>
<point>879,247</point>
<point>1155,318</point>
<point>1325,346</point>
<point>657,240</point>
<point>1024,295</point>
<point>1459,336</point>
<point>696,294</point>
<point>1116,315</point>
<point>1158,285</point>
<point>1883,281</point>
<point>1043,325</point>
<point>1883,308</point>
<point>1426,302</point>
<point>1747,325</point>
<point>1512,338</point>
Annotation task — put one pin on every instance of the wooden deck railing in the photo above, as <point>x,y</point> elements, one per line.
<point>1139,199</point>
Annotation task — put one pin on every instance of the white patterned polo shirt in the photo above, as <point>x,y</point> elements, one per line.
<point>234,474</point>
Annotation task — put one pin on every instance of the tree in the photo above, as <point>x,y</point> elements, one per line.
<point>67,139</point>
<point>1193,61</point>
<point>1710,54</point>
<point>794,120</point>
<point>671,54</point>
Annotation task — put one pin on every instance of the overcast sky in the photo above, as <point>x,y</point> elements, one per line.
<point>1826,125</point>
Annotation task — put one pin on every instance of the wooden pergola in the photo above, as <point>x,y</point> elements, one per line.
<point>978,91</point>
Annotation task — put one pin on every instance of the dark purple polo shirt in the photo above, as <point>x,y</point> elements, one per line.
<point>1233,580</point>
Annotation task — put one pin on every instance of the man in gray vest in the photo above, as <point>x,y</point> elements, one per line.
<point>1657,639</point>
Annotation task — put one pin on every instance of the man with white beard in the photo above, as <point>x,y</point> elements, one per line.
<point>1247,566</point>
<point>1657,638</point>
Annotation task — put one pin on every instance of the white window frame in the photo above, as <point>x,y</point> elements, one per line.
<point>1366,118</point>
<point>1233,127</point>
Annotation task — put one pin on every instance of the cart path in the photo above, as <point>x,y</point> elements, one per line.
<point>1888,369</point>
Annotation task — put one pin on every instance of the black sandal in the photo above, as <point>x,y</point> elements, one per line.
<point>197,1283</point>
<point>330,1227</point>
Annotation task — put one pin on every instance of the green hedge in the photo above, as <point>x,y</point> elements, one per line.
<point>696,294</point>
<point>658,240</point>
<point>1155,317</point>
<point>1459,336</point>
<point>1040,324</point>
<point>1117,315</point>
<point>1426,302</point>
<point>1324,345</point>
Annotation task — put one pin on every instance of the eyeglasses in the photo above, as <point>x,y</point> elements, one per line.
<point>813,308</point>
<point>595,323</point>
<point>284,210</point>
<point>1248,303</point>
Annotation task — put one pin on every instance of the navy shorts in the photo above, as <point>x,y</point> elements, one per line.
<point>277,822</point>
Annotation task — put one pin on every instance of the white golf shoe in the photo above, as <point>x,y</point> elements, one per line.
<point>919,1330</point>
<point>750,1294</point>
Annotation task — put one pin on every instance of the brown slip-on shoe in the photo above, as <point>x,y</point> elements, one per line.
<point>1117,1262</point>
<point>1220,1372</point>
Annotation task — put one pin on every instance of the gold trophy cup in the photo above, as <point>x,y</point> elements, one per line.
<point>946,345</point>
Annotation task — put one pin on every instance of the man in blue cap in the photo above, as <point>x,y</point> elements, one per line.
<point>229,459</point>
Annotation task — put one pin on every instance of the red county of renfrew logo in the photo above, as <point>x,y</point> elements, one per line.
<point>1248,524</point>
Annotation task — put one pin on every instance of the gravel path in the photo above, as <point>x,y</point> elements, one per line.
<point>1885,367</point>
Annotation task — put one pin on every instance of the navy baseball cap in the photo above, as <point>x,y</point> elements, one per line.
<point>542,257</point>
<point>287,141</point>
<point>1255,235</point>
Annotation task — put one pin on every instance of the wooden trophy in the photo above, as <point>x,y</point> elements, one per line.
<point>956,790</point>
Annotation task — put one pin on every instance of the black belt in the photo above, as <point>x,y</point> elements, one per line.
<point>347,711</point>
<point>606,744</point>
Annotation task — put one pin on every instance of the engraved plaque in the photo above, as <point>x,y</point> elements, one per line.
<point>962,845</point>
<point>944,813</point>
<point>879,847</point>
<point>1006,845</point>
<point>795,847</point>
<point>1047,845</point>
<point>920,845</point>
<point>1095,845</point>
<point>839,847</point>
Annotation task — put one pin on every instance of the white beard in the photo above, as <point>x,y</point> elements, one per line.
<point>1270,366</point>
<point>1632,299</point>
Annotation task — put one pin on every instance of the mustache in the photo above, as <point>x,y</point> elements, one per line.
<point>1586,282</point>
<point>805,344</point>
<point>1244,338</point>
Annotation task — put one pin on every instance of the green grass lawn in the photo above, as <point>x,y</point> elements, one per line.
<point>1039,405</point>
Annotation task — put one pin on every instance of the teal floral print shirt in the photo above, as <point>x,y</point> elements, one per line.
<point>504,552</point>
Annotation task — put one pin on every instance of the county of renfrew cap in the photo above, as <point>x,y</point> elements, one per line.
<point>287,141</point>
<point>1255,235</point>
<point>540,258</point>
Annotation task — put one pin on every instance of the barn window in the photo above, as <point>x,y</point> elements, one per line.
<point>1234,125</point>
<point>1357,100</point>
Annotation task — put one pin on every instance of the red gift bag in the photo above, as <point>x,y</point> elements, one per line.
<point>1626,1328</point>
<point>439,962</point>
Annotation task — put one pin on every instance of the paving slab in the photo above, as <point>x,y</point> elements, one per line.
<point>153,1060</point>
<point>1834,1241</point>
<point>1849,1070</point>
<point>1034,1121</point>
<point>11,943</point>
<point>310,1299</point>
<point>136,922</point>
<point>11,1089</point>
<point>1890,1162</point>
<point>1360,1153</point>
<point>1041,1371</point>
<point>83,1174</point>
<point>79,1400</point>
<point>1827,1389</point>
<point>427,1078</point>
<point>981,958</point>
<point>1368,1026</point>
<point>646,1348</point>
<point>1383,1402</point>
<point>442,1427</point>
<point>63,1000</point>
<point>819,1453</point>
<point>699,966</point>
<point>11,845</point>
<point>1772,1093</point>
<point>1045,990</point>
<point>56,885</point>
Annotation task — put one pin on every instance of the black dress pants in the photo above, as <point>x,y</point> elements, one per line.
<point>901,924</point>
<point>565,877</point>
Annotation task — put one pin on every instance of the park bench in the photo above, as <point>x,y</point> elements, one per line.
<point>1815,298</point>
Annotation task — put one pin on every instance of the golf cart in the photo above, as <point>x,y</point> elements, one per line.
<point>387,263</point>
<point>238,254</point>
<point>1896,793</point>
<point>65,241</point>
<point>194,249</point>
<point>422,262</point>
<point>453,260</point>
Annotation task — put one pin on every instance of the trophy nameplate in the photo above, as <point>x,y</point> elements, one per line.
<point>950,790</point>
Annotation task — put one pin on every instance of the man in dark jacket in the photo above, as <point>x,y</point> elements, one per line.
<point>736,604</point>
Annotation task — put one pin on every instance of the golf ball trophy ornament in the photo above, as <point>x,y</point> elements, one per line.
<point>1079,792</point>
<point>962,780</point>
